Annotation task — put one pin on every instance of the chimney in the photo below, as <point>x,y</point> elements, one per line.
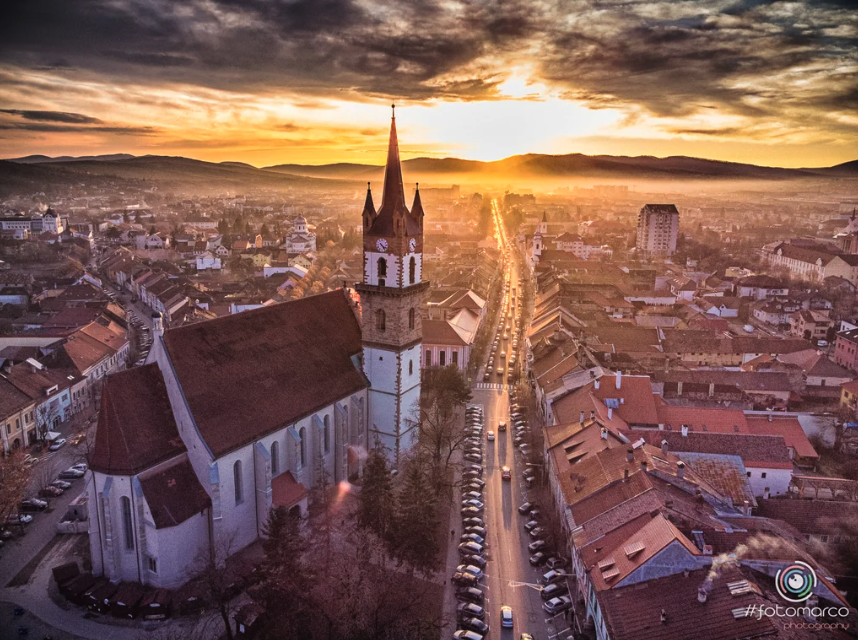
<point>770,417</point>
<point>619,379</point>
<point>610,413</point>
<point>157,324</point>
<point>603,433</point>
<point>592,414</point>
<point>680,469</point>
<point>625,474</point>
<point>581,418</point>
<point>747,507</point>
<point>644,465</point>
<point>702,595</point>
<point>664,447</point>
<point>663,616</point>
<point>711,389</point>
<point>596,384</point>
<point>630,454</point>
<point>679,388</point>
<point>685,431</point>
<point>661,426</point>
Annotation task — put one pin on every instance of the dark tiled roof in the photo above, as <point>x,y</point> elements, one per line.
<point>661,208</point>
<point>174,494</point>
<point>393,197</point>
<point>248,374</point>
<point>634,612</point>
<point>136,428</point>
<point>441,332</point>
<point>755,450</point>
<point>809,516</point>
<point>11,399</point>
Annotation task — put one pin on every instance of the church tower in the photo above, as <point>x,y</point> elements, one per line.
<point>391,299</point>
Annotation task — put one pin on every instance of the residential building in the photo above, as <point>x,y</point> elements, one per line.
<point>658,230</point>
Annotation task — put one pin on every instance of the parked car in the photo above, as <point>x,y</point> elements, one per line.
<point>537,559</point>
<point>557,562</point>
<point>71,474</point>
<point>473,522</point>
<point>474,624</point>
<point>471,502</point>
<point>50,492</point>
<point>33,504</point>
<point>469,568</point>
<point>471,548</point>
<point>473,457</point>
<point>471,511</point>
<point>472,537</point>
<point>530,525</point>
<point>464,579</point>
<point>537,545</point>
<point>471,486</point>
<point>471,610</point>
<point>557,605</point>
<point>553,576</point>
<point>477,561</point>
<point>477,481</point>
<point>14,518</point>
<point>537,532</point>
<point>470,594</point>
<point>473,495</point>
<point>465,634</point>
<point>525,508</point>
<point>61,484</point>
<point>80,466</point>
<point>58,444</point>
<point>554,590</point>
<point>480,531</point>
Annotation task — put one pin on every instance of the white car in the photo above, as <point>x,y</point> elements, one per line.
<point>490,436</point>
<point>80,466</point>
<point>57,445</point>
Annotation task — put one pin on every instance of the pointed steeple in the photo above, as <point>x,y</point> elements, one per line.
<point>417,206</point>
<point>393,218</point>
<point>393,197</point>
<point>368,209</point>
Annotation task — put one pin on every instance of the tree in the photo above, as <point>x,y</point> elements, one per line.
<point>264,231</point>
<point>443,393</point>
<point>416,530</point>
<point>222,581</point>
<point>46,415</point>
<point>376,500</point>
<point>14,481</point>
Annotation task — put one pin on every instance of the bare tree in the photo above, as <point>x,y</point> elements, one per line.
<point>46,414</point>
<point>14,480</point>
<point>45,474</point>
<point>222,583</point>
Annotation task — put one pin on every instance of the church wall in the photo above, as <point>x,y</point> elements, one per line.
<point>371,268</point>
<point>118,562</point>
<point>180,552</point>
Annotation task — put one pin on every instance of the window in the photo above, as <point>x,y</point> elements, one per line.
<point>275,458</point>
<point>410,367</point>
<point>428,362</point>
<point>749,474</point>
<point>380,320</point>
<point>382,268</point>
<point>763,474</point>
<point>236,481</point>
<point>442,358</point>
<point>456,358</point>
<point>302,435</point>
<point>152,564</point>
<point>127,525</point>
<point>412,270</point>
<point>411,318</point>
<point>327,434</point>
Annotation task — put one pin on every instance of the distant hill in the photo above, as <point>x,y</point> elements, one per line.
<point>39,159</point>
<point>569,166</point>
<point>166,172</point>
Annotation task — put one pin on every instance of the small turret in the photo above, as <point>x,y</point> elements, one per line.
<point>368,209</point>
<point>417,207</point>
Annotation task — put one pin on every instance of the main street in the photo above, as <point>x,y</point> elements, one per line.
<point>510,580</point>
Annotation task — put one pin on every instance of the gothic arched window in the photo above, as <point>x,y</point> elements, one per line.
<point>380,320</point>
<point>412,270</point>
<point>127,526</point>
<point>382,268</point>
<point>275,458</point>
<point>236,480</point>
<point>327,434</point>
<point>411,318</point>
<point>302,435</point>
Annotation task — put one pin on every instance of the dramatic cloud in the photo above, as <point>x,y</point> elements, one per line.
<point>738,70</point>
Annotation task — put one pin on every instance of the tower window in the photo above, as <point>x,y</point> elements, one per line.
<point>236,480</point>
<point>411,318</point>
<point>327,434</point>
<point>428,358</point>
<point>410,367</point>
<point>412,270</point>
<point>127,526</point>
<point>380,320</point>
<point>382,268</point>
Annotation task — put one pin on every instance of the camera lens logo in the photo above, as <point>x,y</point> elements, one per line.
<point>796,582</point>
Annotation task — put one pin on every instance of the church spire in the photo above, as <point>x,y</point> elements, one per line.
<point>368,209</point>
<point>417,206</point>
<point>393,196</point>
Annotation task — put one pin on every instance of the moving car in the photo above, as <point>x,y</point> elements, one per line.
<point>506,474</point>
<point>490,436</point>
<point>506,616</point>
<point>58,444</point>
<point>501,426</point>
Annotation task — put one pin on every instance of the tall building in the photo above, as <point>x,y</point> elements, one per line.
<point>392,295</point>
<point>658,228</point>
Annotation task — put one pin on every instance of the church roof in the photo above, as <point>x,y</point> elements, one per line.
<point>249,374</point>
<point>393,197</point>
<point>136,428</point>
<point>174,494</point>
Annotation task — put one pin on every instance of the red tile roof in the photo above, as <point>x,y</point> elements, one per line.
<point>441,332</point>
<point>810,516</point>
<point>249,374</point>
<point>136,428</point>
<point>286,491</point>
<point>174,494</point>
<point>755,450</point>
<point>716,420</point>
<point>787,426</point>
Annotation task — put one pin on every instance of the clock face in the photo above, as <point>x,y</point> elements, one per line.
<point>381,245</point>
<point>412,244</point>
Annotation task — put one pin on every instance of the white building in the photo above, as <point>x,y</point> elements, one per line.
<point>658,229</point>
<point>301,239</point>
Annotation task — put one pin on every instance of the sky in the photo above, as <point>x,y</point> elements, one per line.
<point>310,81</point>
